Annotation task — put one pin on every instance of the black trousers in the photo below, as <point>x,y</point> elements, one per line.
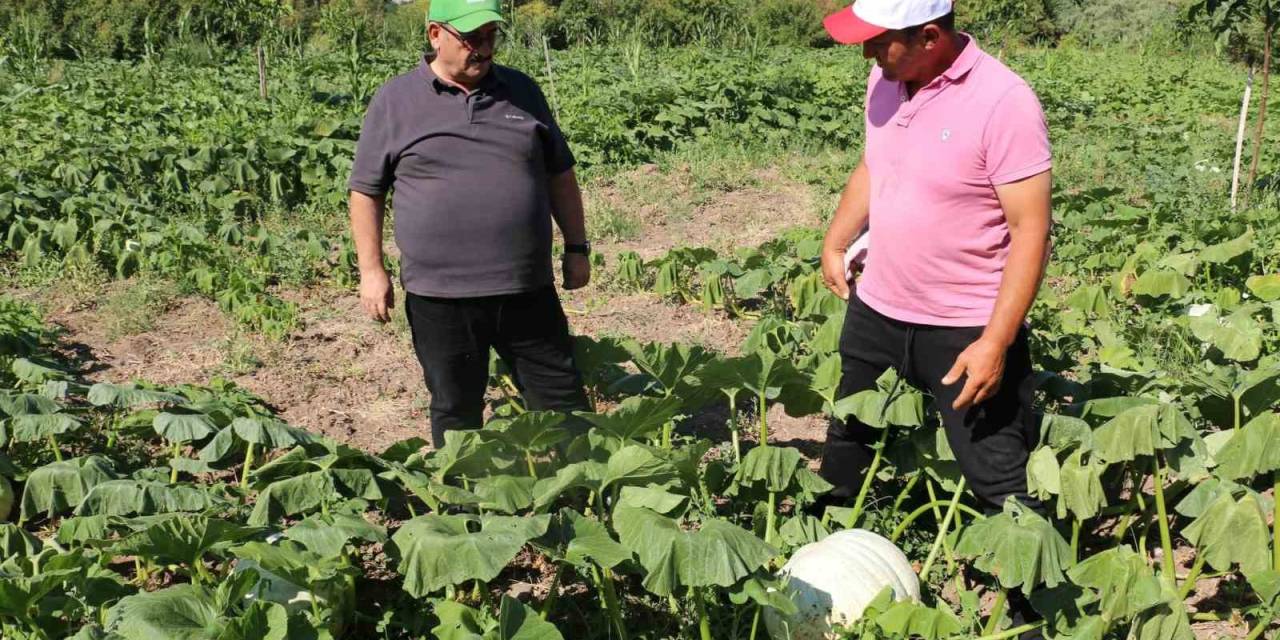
<point>452,338</point>
<point>992,441</point>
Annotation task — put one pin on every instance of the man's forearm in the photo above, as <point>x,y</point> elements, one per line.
<point>851,213</point>
<point>366,230</point>
<point>566,207</point>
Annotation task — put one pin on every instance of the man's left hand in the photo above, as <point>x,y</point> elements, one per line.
<point>577,271</point>
<point>982,365</point>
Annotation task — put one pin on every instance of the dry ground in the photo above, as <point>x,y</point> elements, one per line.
<point>349,378</point>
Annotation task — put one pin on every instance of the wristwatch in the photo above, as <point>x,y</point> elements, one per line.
<point>584,248</point>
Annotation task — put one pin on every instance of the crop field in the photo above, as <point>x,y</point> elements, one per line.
<point>201,438</point>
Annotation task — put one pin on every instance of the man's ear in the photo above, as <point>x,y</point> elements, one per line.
<point>932,35</point>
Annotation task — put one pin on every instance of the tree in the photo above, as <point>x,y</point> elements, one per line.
<point>1230,20</point>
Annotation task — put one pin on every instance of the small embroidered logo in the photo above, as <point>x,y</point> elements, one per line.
<point>512,116</point>
<point>946,135</point>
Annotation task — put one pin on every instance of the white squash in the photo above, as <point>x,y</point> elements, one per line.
<point>833,580</point>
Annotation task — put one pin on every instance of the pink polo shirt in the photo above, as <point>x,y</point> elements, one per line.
<point>938,236</point>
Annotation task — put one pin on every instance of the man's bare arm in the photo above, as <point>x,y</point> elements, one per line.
<point>366,230</point>
<point>566,208</point>
<point>849,220</point>
<point>1027,207</point>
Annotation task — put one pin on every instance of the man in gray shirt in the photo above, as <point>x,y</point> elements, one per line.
<point>478,169</point>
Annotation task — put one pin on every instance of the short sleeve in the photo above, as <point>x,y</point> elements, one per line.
<point>559,158</point>
<point>1016,140</point>
<point>373,170</point>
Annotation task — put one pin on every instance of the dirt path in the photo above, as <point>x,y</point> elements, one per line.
<point>358,382</point>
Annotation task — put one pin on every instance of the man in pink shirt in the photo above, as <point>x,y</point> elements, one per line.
<point>955,185</point>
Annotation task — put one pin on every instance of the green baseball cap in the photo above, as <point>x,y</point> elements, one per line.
<point>465,15</point>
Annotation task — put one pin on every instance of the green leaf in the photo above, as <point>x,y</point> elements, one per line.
<point>16,542</point>
<point>1251,451</point>
<point>128,396</point>
<point>505,493</point>
<point>516,621</point>
<point>908,619</point>
<point>1019,547</point>
<point>718,554</point>
<point>17,404</point>
<point>140,497</point>
<point>61,486</point>
<point>803,529</point>
<point>636,465</point>
<point>38,427</point>
<point>436,551</point>
<point>1267,287</point>
<point>1082,492</point>
<point>1232,532</point>
<point>183,540</point>
<point>1167,622</point>
<point>1044,476</point>
<point>183,427</point>
<point>636,417</point>
<point>582,541</point>
<point>1122,580</point>
<point>1226,251</point>
<point>772,466</point>
<point>531,431</point>
<point>1141,431</point>
<point>328,535</point>
<point>1160,283</point>
<point>457,621</point>
<point>270,433</point>
<point>178,612</point>
<point>651,498</point>
<point>1238,336</point>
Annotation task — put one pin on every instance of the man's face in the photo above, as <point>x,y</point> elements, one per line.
<point>899,56</point>
<point>466,56</point>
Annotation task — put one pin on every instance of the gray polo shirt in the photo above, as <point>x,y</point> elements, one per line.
<point>469,174</point>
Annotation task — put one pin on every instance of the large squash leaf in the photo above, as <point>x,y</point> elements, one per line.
<point>436,551</point>
<point>717,554</point>
<point>1018,547</point>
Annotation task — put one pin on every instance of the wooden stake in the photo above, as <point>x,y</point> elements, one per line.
<point>551,77</point>
<point>1244,116</point>
<point>1262,105</point>
<point>262,72</point>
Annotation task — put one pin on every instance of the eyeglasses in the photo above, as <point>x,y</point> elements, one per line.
<point>478,38</point>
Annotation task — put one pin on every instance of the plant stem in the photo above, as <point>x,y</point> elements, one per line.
<point>764,421</point>
<point>867,480</point>
<point>755,622</point>
<point>1269,21</point>
<point>733,427</point>
<point>248,464</point>
<point>1012,633</point>
<point>997,610</point>
<point>921,510</point>
<point>704,623</point>
<point>1166,542</point>
<point>769,518</point>
<point>666,435</point>
<point>1192,576</point>
<point>1257,630</point>
<point>906,490</point>
<point>611,601</point>
<point>53,444</point>
<point>173,473</point>
<point>553,593</point>
<point>1075,539</point>
<point>528,458</point>
<point>942,530</point>
<point>1275,524</point>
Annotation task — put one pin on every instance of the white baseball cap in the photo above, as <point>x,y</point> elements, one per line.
<point>866,19</point>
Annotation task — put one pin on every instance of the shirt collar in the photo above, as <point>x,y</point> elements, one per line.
<point>965,62</point>
<point>495,77</point>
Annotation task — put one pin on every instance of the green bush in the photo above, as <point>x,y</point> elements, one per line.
<point>1000,20</point>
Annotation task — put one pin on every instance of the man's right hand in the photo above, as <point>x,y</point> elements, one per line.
<point>833,273</point>
<point>376,295</point>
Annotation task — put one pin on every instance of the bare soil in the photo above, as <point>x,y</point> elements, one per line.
<point>344,376</point>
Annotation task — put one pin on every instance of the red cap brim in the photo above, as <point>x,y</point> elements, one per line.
<point>846,27</point>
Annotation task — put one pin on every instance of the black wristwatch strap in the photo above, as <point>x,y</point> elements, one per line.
<point>584,248</point>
